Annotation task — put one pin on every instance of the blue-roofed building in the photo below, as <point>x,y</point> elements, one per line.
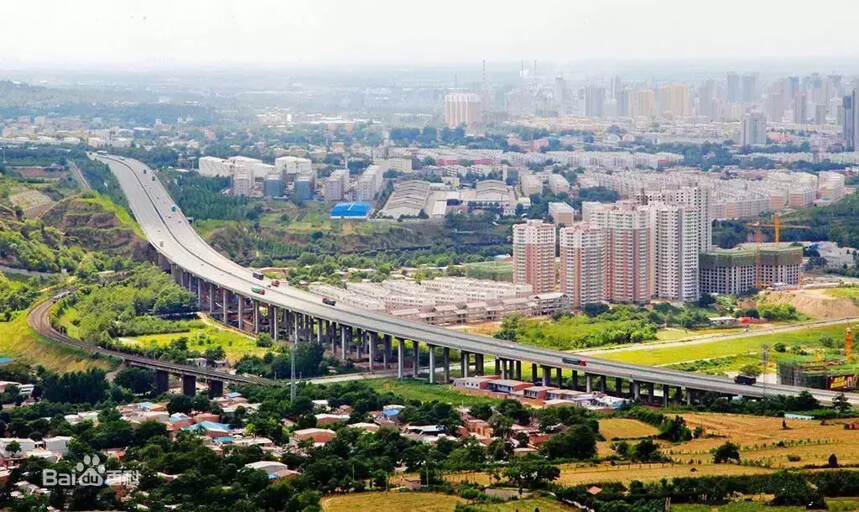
<point>4,360</point>
<point>350,211</point>
<point>209,428</point>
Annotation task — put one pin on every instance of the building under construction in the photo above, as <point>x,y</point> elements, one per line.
<point>734,271</point>
<point>830,374</point>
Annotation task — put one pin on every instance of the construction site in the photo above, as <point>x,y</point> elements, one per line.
<point>835,368</point>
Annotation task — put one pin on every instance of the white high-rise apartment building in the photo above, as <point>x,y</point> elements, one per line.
<point>243,181</point>
<point>336,185</point>
<point>462,108</point>
<point>583,264</point>
<point>293,166</point>
<point>369,184</point>
<point>675,251</point>
<point>534,255</point>
<point>754,129</point>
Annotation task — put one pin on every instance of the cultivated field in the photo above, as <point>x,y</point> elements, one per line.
<point>526,505</point>
<point>391,502</point>
<point>624,428</point>
<point>764,440</point>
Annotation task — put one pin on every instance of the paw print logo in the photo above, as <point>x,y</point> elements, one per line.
<point>90,471</point>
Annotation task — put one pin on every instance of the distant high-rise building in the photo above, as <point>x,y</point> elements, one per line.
<point>243,181</point>
<point>800,108</point>
<point>732,89</point>
<point>272,186</point>
<point>336,185</point>
<point>369,184</point>
<point>534,255</point>
<point>583,264</point>
<point>850,121</point>
<point>643,104</point>
<point>623,106</point>
<point>706,99</point>
<point>754,129</point>
<point>462,108</point>
<point>594,101</point>
<point>750,88</point>
<point>561,94</point>
<point>673,99</point>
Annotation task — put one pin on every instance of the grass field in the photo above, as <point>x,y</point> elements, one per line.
<point>580,474</point>
<point>235,344</point>
<point>19,342</point>
<point>391,502</point>
<point>693,351</point>
<point>833,504</point>
<point>764,440</point>
<point>421,390</point>
<point>846,292</point>
<point>624,428</point>
<point>526,505</point>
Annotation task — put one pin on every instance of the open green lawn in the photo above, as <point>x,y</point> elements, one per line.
<point>235,344</point>
<point>20,343</point>
<point>421,390</point>
<point>655,356</point>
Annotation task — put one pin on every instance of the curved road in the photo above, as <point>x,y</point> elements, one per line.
<point>173,237</point>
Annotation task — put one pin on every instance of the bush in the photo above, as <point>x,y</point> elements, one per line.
<point>726,453</point>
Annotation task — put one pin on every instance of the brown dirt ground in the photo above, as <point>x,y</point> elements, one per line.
<point>815,303</point>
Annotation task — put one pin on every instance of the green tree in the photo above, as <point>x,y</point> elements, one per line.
<point>841,404</point>
<point>531,472</point>
<point>726,453</point>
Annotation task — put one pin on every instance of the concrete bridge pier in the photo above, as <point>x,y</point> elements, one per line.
<point>162,382</point>
<point>401,357</point>
<point>189,385</point>
<point>216,388</point>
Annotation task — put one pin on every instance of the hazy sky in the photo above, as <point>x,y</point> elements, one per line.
<point>157,33</point>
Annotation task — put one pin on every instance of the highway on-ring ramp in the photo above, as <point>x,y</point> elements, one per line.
<point>172,235</point>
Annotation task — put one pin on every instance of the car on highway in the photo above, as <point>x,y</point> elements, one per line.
<point>328,301</point>
<point>574,360</point>
<point>746,380</point>
<point>258,275</point>
<point>275,283</point>
<point>257,289</point>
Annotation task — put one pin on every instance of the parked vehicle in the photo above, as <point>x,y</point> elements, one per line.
<point>573,360</point>
<point>257,289</point>
<point>173,208</point>
<point>328,301</point>
<point>153,178</point>
<point>745,379</point>
<point>258,275</point>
